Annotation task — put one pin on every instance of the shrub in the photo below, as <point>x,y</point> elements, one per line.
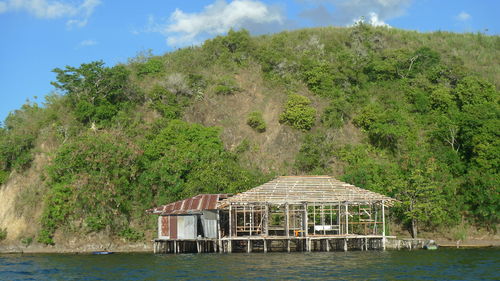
<point>166,103</point>
<point>26,241</point>
<point>4,175</point>
<point>90,179</point>
<point>226,86</point>
<point>256,121</point>
<point>152,66</point>
<point>298,113</point>
<point>131,235</point>
<point>337,113</point>
<point>243,147</point>
<point>176,83</point>
<point>3,233</point>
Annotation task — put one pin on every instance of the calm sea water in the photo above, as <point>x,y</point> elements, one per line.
<point>443,264</point>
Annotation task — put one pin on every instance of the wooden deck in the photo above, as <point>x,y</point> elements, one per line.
<point>248,244</point>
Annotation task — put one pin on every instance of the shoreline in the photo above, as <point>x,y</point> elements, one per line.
<point>82,249</point>
<point>148,248</point>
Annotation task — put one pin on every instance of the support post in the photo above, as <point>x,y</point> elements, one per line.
<point>219,233</point>
<point>265,245</point>
<point>251,220</point>
<point>306,223</point>
<point>230,245</point>
<point>287,221</point>
<point>288,245</point>
<point>198,246</point>
<point>249,245</point>
<point>346,218</point>
<point>345,244</point>
<point>327,245</point>
<point>383,225</point>
<point>266,221</point>
<point>175,246</point>
<point>230,220</point>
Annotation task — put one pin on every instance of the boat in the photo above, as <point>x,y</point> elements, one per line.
<point>431,247</point>
<point>102,253</point>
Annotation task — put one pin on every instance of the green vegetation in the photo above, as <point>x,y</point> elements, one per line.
<point>298,113</point>
<point>3,234</point>
<point>226,85</point>
<point>413,116</point>
<point>26,241</point>
<point>256,121</point>
<point>152,66</point>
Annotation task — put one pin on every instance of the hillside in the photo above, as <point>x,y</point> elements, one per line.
<point>410,115</point>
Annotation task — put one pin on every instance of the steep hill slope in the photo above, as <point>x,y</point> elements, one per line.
<point>410,115</point>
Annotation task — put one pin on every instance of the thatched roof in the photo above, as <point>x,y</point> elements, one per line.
<point>306,189</point>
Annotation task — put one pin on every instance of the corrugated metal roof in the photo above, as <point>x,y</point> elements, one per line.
<point>190,205</point>
<point>306,189</point>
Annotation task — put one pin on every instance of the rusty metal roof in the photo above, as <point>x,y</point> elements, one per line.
<point>190,205</point>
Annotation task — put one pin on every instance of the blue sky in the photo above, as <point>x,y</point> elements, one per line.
<point>40,35</point>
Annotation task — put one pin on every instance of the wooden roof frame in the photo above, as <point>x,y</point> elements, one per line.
<point>306,189</point>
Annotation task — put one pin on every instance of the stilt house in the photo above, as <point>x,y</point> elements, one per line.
<point>289,213</point>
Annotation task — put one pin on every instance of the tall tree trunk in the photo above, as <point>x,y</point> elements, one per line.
<point>414,228</point>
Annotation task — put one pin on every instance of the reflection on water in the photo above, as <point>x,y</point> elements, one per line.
<point>448,264</point>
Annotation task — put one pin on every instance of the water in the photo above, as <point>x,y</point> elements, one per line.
<point>443,264</point>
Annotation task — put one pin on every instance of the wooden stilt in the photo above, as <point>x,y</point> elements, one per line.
<point>230,221</point>
<point>327,245</point>
<point>249,245</point>
<point>265,245</point>
<point>345,244</point>
<point>383,225</point>
<point>288,245</point>
<point>287,221</point>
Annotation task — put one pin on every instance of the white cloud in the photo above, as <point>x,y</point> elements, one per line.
<point>345,12</point>
<point>375,21</point>
<point>45,9</point>
<point>463,16</point>
<point>217,18</point>
<point>88,42</point>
